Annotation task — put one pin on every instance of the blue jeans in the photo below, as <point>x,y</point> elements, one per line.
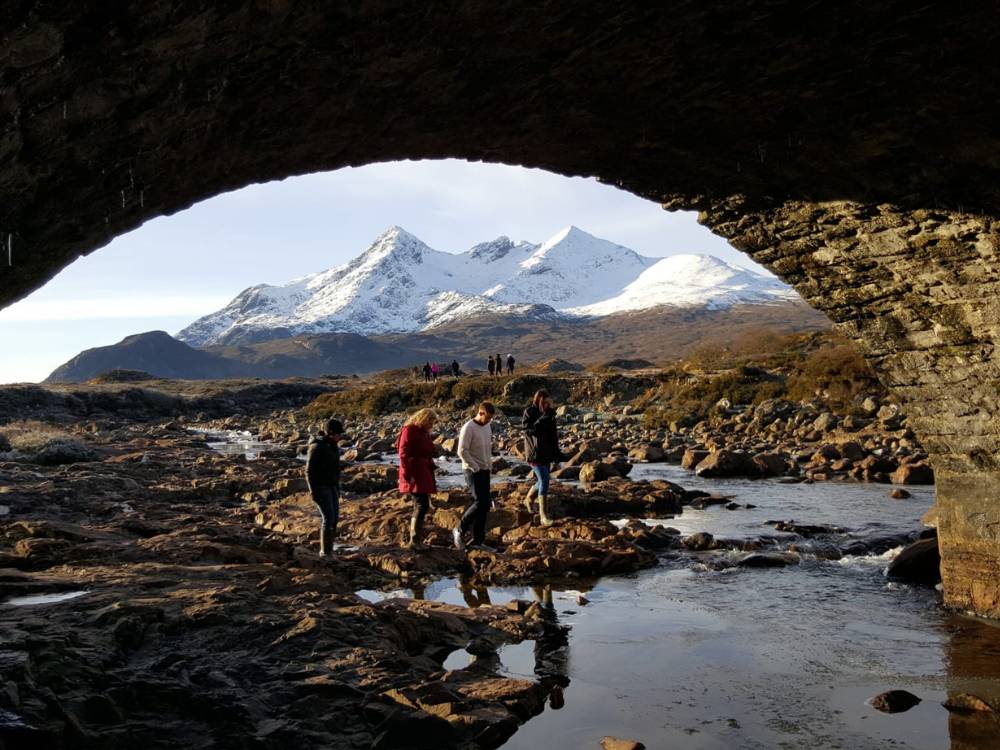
<point>475,515</point>
<point>542,477</point>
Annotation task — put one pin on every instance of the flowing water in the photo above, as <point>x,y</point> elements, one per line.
<point>234,443</point>
<point>686,656</point>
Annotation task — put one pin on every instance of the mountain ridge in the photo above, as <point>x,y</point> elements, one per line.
<point>661,334</point>
<point>401,284</point>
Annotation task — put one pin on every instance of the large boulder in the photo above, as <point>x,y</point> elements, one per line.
<point>596,471</point>
<point>693,457</point>
<point>918,563</point>
<point>650,452</point>
<point>724,463</point>
<point>824,422</point>
<point>919,472</point>
<point>770,464</point>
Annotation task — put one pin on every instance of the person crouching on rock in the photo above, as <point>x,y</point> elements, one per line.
<point>416,468</point>
<point>323,476</point>
<point>475,448</point>
<point>541,450</point>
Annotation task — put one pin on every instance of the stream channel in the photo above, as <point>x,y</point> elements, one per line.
<point>688,656</point>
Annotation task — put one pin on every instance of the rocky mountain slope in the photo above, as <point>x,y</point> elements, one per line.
<point>661,334</point>
<point>399,284</point>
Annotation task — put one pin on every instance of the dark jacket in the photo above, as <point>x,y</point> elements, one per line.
<point>322,463</point>
<point>416,460</point>
<point>541,436</point>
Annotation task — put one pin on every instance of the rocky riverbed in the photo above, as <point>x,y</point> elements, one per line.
<point>201,615</point>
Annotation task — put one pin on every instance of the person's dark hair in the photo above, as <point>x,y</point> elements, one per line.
<point>334,427</point>
<point>488,407</point>
<point>540,395</point>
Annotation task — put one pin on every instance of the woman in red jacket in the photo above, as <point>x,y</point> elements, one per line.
<point>416,467</point>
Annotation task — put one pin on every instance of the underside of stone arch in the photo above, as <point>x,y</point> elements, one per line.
<point>854,150</point>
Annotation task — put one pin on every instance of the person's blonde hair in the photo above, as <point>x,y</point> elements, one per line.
<point>423,418</point>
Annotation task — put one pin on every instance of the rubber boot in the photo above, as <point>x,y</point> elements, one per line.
<point>326,542</point>
<point>415,535</point>
<point>532,494</point>
<point>543,517</point>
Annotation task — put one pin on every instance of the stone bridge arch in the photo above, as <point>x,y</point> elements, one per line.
<point>854,150</point>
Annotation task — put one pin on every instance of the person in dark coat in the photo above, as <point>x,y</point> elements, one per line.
<point>541,449</point>
<point>499,366</point>
<point>323,476</point>
<point>491,365</point>
<point>455,369</point>
<point>427,371</point>
<point>416,468</point>
<point>510,364</point>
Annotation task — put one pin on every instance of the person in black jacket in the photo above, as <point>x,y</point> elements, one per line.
<point>541,449</point>
<point>323,476</point>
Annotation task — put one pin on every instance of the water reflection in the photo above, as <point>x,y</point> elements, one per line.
<point>972,657</point>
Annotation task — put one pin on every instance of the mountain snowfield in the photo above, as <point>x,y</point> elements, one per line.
<point>400,284</point>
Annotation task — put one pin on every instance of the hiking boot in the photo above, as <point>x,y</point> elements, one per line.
<point>326,536</point>
<point>414,543</point>
<point>542,514</point>
<point>456,535</point>
<point>532,494</point>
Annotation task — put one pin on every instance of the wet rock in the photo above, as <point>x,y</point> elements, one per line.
<point>968,703</point>
<point>898,494</point>
<point>768,560</point>
<point>700,541</point>
<point>918,563</point>
<point>616,743</point>
<point>724,463</point>
<point>693,457</point>
<point>913,473</point>
<point>894,701</point>
<point>769,464</point>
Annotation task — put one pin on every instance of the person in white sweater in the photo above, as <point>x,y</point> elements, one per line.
<point>475,448</point>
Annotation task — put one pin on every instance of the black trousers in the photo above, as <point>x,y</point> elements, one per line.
<point>421,504</point>
<point>474,518</point>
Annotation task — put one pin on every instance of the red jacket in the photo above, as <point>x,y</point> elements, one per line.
<point>416,460</point>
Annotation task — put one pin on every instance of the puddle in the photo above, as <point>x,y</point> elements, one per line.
<point>33,599</point>
<point>515,660</point>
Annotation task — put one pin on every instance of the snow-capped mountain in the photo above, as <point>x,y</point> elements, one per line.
<point>688,281</point>
<point>400,284</point>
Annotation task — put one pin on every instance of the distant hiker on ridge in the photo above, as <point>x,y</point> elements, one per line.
<point>323,477</point>
<point>510,364</point>
<point>475,448</point>
<point>416,468</point>
<point>434,371</point>
<point>499,367</point>
<point>491,365</point>
<point>455,369</point>
<point>427,371</point>
<point>541,450</point>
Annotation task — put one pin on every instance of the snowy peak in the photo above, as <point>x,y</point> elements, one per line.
<point>401,284</point>
<point>688,281</point>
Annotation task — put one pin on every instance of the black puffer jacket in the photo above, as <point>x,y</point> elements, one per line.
<point>322,463</point>
<point>541,436</point>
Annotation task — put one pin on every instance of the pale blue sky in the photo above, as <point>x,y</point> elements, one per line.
<point>174,269</point>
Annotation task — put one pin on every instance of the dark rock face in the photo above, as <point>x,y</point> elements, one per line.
<point>849,149</point>
<point>918,563</point>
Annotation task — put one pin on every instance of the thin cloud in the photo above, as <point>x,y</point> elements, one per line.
<point>111,308</point>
